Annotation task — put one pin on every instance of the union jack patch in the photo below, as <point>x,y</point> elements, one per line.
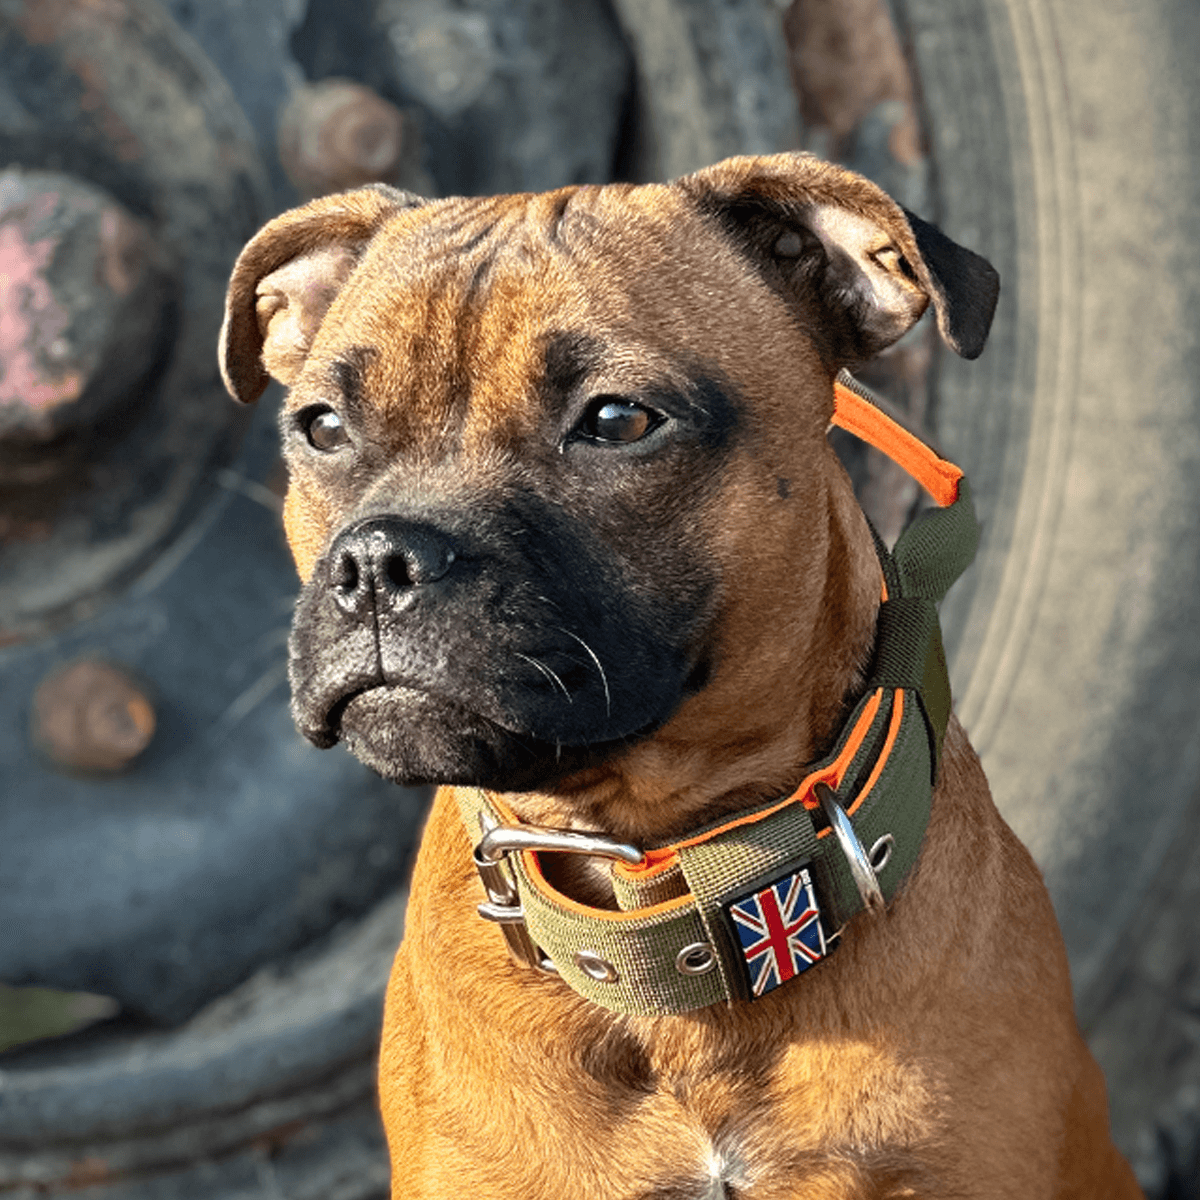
<point>779,930</point>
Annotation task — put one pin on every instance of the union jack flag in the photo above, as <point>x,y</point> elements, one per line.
<point>780,931</point>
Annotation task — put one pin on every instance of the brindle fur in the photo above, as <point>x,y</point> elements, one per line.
<point>705,598</point>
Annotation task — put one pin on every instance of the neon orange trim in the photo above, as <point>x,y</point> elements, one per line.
<point>884,754</point>
<point>656,862</point>
<point>659,860</point>
<point>836,771</point>
<point>861,418</point>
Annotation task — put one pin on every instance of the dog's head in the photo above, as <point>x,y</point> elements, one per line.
<point>558,469</point>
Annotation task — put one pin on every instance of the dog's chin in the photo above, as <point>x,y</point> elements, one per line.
<point>413,738</point>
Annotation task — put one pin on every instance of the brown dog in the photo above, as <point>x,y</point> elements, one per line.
<point>570,531</point>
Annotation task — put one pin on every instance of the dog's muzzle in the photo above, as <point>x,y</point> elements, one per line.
<point>478,647</point>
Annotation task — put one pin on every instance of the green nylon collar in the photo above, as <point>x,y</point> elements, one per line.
<point>676,944</point>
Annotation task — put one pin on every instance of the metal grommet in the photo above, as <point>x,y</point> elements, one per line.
<point>880,854</point>
<point>595,967</point>
<point>697,959</point>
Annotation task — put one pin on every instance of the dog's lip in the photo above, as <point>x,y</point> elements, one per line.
<point>324,727</point>
<point>330,729</point>
<point>332,724</point>
<point>335,712</point>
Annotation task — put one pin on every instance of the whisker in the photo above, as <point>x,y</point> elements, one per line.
<point>547,672</point>
<point>599,667</point>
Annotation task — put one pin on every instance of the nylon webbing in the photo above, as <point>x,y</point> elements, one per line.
<point>882,769</point>
<point>928,557</point>
<point>938,547</point>
<point>904,636</point>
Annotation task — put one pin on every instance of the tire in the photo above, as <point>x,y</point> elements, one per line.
<point>1059,135</point>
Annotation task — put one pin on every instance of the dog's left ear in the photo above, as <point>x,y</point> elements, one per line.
<point>823,235</point>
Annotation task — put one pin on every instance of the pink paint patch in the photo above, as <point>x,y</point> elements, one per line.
<point>30,319</point>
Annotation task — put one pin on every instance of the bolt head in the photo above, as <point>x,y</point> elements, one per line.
<point>92,717</point>
<point>336,134</point>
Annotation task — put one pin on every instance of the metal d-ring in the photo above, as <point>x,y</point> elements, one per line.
<point>861,870</point>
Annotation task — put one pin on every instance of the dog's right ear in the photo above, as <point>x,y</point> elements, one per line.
<point>287,277</point>
<point>821,234</point>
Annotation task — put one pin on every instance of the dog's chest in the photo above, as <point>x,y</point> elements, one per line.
<point>756,1163</point>
<point>807,1123</point>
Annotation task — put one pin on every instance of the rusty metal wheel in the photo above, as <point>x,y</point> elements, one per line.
<point>168,841</point>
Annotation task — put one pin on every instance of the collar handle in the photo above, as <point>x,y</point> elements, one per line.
<point>928,557</point>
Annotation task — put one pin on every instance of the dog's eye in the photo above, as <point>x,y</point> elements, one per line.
<point>612,419</point>
<point>324,430</point>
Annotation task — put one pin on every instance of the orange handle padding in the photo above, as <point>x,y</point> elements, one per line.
<point>861,418</point>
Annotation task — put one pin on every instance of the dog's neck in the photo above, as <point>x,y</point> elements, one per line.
<point>716,757</point>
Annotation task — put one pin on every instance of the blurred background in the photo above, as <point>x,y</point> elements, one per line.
<point>197,909</point>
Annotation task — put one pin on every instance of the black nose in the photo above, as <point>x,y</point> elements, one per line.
<point>382,559</point>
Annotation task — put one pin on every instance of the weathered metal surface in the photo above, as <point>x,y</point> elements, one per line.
<point>83,288</point>
<point>231,841</point>
<point>269,1086</point>
<point>137,533</point>
<point>106,107</point>
<point>509,95</point>
<point>513,95</point>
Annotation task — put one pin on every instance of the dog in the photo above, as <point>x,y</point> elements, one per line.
<point>574,546</point>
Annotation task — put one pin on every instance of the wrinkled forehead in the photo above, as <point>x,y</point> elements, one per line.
<point>499,279</point>
<point>467,320</point>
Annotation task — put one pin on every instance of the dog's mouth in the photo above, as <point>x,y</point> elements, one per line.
<point>412,736</point>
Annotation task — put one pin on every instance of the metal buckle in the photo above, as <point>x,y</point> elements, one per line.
<point>859,863</point>
<point>504,902</point>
